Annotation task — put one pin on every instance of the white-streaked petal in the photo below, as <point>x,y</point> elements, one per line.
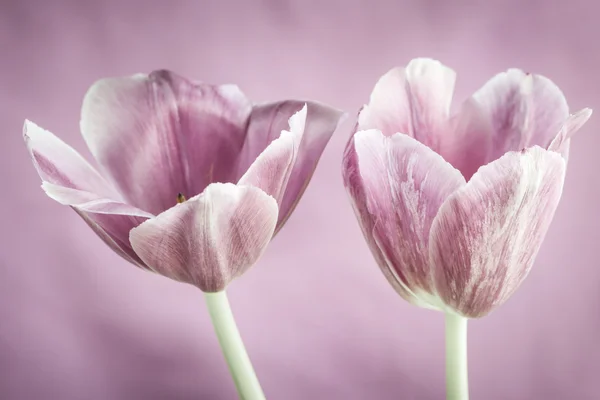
<point>485,238</point>
<point>210,239</point>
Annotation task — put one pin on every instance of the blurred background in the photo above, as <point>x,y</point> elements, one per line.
<point>318,318</point>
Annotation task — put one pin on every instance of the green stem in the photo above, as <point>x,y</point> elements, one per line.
<point>233,348</point>
<point>457,382</point>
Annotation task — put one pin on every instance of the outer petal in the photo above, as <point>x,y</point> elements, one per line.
<point>58,163</point>
<point>109,219</point>
<point>159,135</point>
<point>210,239</point>
<point>71,180</point>
<point>358,199</point>
<point>266,124</point>
<point>414,100</point>
<point>486,236</point>
<point>405,183</point>
<point>525,110</point>
<point>561,142</point>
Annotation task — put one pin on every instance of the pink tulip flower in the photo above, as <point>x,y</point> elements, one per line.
<point>454,205</point>
<point>160,139</point>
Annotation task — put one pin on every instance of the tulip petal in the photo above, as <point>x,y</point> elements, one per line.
<point>405,183</point>
<point>414,100</point>
<point>210,239</point>
<point>69,179</point>
<point>469,141</point>
<point>486,235</point>
<point>311,123</point>
<point>575,121</point>
<point>58,163</point>
<point>525,110</point>
<point>109,219</point>
<point>271,170</point>
<point>358,199</point>
<point>161,134</point>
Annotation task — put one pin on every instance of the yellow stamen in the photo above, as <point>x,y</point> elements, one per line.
<point>180,198</point>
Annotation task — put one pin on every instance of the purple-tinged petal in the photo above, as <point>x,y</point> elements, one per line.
<point>271,170</point>
<point>469,141</point>
<point>71,180</point>
<point>486,235</point>
<point>210,239</point>
<point>113,229</point>
<point>414,100</point>
<point>58,163</point>
<point>575,121</point>
<point>91,202</point>
<point>525,110</point>
<point>111,220</point>
<point>266,124</point>
<point>158,135</point>
<point>405,183</point>
<point>358,199</point>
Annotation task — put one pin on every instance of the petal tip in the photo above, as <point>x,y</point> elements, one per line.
<point>423,65</point>
<point>30,130</point>
<point>424,61</point>
<point>298,116</point>
<point>367,134</point>
<point>586,113</point>
<point>162,73</point>
<point>580,117</point>
<point>232,91</point>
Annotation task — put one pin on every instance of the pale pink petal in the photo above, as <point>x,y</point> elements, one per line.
<point>487,234</point>
<point>404,183</point>
<point>158,135</point>
<point>91,202</point>
<point>271,170</point>
<point>356,191</point>
<point>561,142</point>
<point>312,127</point>
<point>210,239</point>
<point>525,110</point>
<point>71,180</point>
<point>414,100</point>
<point>111,220</point>
<point>58,163</point>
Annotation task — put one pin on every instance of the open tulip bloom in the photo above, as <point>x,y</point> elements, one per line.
<point>455,205</point>
<point>195,181</point>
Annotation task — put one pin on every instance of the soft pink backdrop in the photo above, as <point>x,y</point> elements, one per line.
<point>318,318</point>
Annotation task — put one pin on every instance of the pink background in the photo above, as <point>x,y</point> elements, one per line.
<point>318,318</point>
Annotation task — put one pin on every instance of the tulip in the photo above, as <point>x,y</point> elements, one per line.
<point>454,206</point>
<point>194,182</point>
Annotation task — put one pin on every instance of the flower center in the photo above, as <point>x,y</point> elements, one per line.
<point>180,198</point>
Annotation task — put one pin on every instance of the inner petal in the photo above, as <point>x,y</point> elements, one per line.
<point>414,101</point>
<point>524,110</point>
<point>159,134</point>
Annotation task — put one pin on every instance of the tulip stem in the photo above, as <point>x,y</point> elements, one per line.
<point>457,382</point>
<point>233,348</point>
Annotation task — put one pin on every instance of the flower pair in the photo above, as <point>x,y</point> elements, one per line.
<point>453,205</point>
